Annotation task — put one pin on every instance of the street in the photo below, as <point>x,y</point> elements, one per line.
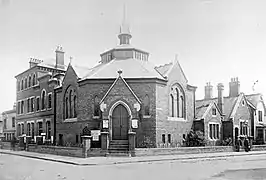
<point>242,167</point>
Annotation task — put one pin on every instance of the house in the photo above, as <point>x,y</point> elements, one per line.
<point>9,124</point>
<point>125,93</point>
<point>209,121</point>
<point>235,110</point>
<point>259,128</point>
<point>35,96</point>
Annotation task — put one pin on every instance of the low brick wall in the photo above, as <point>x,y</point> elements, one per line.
<point>7,145</point>
<point>181,150</point>
<point>96,152</point>
<point>57,150</point>
<point>258,148</point>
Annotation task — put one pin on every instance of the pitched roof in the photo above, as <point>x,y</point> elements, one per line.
<point>81,71</point>
<point>163,69</point>
<point>51,63</point>
<point>123,80</point>
<point>132,68</point>
<point>229,104</point>
<point>254,99</point>
<point>202,111</point>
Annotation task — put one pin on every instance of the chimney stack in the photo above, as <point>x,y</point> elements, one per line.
<point>60,62</point>
<point>220,103</point>
<point>208,91</point>
<point>234,87</point>
<point>33,62</point>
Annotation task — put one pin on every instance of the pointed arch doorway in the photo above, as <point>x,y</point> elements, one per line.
<point>120,119</point>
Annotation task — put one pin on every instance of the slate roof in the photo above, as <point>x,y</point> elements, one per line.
<point>200,110</point>
<point>50,63</point>
<point>81,71</point>
<point>254,99</point>
<point>163,69</point>
<point>132,68</point>
<point>229,104</point>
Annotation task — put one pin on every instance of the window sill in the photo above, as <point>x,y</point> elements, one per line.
<point>175,119</point>
<point>212,139</point>
<point>71,120</point>
<point>147,116</point>
<point>214,115</point>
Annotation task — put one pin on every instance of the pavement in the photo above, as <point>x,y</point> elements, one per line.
<point>94,161</point>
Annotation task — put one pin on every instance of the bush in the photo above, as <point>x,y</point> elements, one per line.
<point>195,138</point>
<point>227,142</point>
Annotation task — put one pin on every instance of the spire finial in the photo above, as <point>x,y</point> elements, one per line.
<point>124,15</point>
<point>70,59</point>
<point>124,34</point>
<point>176,58</point>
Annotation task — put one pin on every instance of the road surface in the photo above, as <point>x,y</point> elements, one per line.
<point>239,168</point>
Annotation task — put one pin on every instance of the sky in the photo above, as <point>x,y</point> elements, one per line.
<point>215,40</point>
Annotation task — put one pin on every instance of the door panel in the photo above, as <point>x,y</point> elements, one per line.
<point>120,123</point>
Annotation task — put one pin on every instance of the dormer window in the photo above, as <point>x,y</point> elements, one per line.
<point>243,103</point>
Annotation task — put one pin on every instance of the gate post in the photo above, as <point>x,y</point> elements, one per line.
<point>104,141</point>
<point>131,142</point>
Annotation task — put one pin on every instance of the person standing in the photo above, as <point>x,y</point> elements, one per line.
<point>246,144</point>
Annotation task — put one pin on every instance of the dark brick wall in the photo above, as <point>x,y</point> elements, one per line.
<point>150,128</point>
<point>35,91</point>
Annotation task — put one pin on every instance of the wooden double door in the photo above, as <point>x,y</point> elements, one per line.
<point>120,118</point>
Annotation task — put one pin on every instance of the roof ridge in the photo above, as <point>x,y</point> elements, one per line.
<point>164,65</point>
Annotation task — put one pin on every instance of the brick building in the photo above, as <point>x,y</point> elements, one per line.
<point>9,124</point>
<point>35,96</point>
<point>259,128</point>
<point>125,93</point>
<point>235,110</point>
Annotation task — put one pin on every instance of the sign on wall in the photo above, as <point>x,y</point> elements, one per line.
<point>134,123</point>
<point>95,135</point>
<point>105,123</point>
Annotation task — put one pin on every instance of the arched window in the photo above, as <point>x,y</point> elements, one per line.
<point>181,106</point>
<point>49,101</point>
<point>48,130</point>
<point>66,109</point>
<point>75,106</point>
<point>96,106</point>
<point>26,83</point>
<point>19,130</point>
<point>28,129</point>
<point>22,128</point>
<point>70,104</point>
<point>22,84</point>
<point>29,81</point>
<point>177,102</point>
<point>146,105</point>
<point>172,105</point>
<point>34,80</point>
<point>18,85</point>
<point>43,99</point>
<point>32,130</point>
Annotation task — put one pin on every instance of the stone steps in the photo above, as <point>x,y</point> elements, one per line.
<point>118,148</point>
